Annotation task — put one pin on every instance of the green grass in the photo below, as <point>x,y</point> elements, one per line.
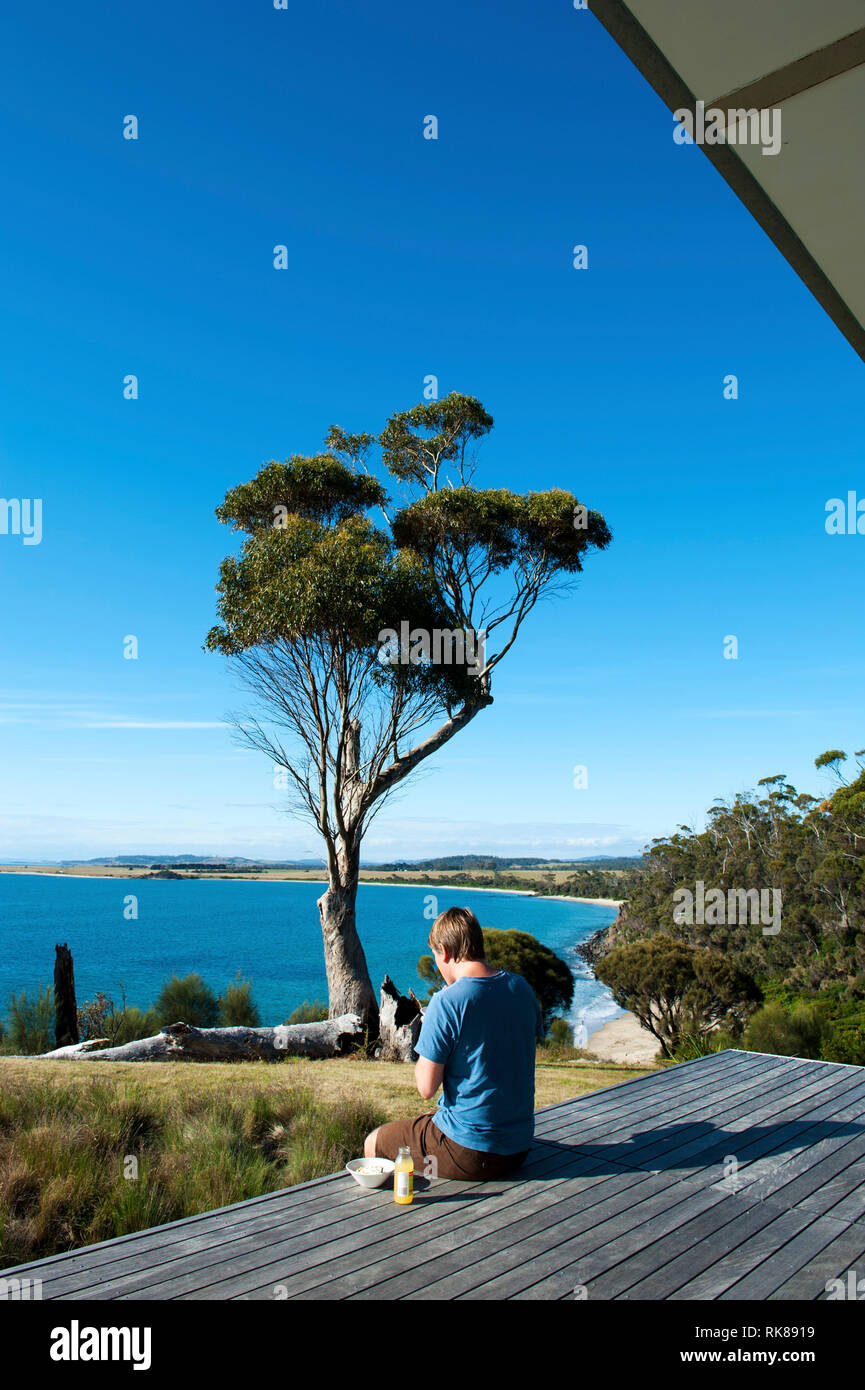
<point>92,1150</point>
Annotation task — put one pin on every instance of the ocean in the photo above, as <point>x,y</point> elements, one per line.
<point>269,931</point>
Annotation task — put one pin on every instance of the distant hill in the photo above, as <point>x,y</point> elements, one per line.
<point>458,862</point>
<point>134,861</point>
<point>491,861</point>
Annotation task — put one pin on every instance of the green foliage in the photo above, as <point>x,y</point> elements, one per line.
<point>30,1022</point>
<point>320,488</point>
<point>101,1018</point>
<point>585,883</point>
<point>236,1007</point>
<point>796,1032</point>
<point>129,1024</point>
<point>536,529</point>
<point>314,1012</point>
<point>811,851</point>
<point>418,443</point>
<point>548,975</point>
<point>676,990</point>
<point>693,1045</point>
<point>561,1034</point>
<point>188,1000</point>
<point>845,1043</point>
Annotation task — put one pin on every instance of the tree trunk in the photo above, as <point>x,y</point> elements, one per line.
<point>400,1020</point>
<point>349,986</point>
<point>65,1007</point>
<point>179,1040</point>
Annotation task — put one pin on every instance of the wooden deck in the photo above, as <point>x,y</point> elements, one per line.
<point>625,1194</point>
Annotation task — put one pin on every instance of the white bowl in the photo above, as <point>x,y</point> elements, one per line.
<point>382,1169</point>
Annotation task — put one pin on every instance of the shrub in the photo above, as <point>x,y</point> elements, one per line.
<point>315,1012</point>
<point>130,1023</point>
<point>187,1000</point>
<point>796,1032</point>
<point>693,1045</point>
<point>845,1043</point>
<point>95,1018</point>
<point>31,1021</point>
<point>561,1034</point>
<point>677,990</point>
<point>236,1008</point>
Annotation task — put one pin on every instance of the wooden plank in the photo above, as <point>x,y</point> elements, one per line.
<point>584,1258</point>
<point>845,1252</point>
<point>764,1227</point>
<point>793,1114</point>
<point>740,1097</point>
<point>667,1258</point>
<point>584,1255</point>
<point>729,1081</point>
<point>797,1255</point>
<point>405,1244</point>
<point>819,1177</point>
<point>642,1134</point>
<point>470,1272</point>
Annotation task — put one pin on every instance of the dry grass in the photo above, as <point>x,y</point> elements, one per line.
<point>387,1084</point>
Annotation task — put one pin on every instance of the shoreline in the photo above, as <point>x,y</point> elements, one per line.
<point>624,1039</point>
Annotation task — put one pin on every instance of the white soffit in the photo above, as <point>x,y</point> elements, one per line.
<point>806,60</point>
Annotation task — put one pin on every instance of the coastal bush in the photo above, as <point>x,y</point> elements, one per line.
<point>129,1024</point>
<point>236,1007</point>
<point>315,1012</point>
<point>678,991</point>
<point>83,1163</point>
<point>560,1033</point>
<point>692,1045</point>
<point>30,1022</point>
<point>187,1000</point>
<point>845,1043</point>
<point>806,849</point>
<point>788,1032</point>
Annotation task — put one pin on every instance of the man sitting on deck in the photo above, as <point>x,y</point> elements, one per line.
<point>477,1041</point>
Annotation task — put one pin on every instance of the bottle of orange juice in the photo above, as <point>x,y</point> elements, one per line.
<point>403,1178</point>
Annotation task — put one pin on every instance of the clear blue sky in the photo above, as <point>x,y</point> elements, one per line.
<point>408,256</point>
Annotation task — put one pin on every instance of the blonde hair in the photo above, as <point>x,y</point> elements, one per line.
<point>459,932</point>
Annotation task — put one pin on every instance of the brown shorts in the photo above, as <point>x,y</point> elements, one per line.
<point>437,1156</point>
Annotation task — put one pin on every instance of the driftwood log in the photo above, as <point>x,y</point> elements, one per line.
<point>399,1022</point>
<point>65,1007</point>
<point>179,1040</point>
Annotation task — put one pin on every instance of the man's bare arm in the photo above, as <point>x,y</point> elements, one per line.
<point>428,1076</point>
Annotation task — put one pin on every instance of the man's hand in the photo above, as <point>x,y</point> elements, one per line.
<point>428,1077</point>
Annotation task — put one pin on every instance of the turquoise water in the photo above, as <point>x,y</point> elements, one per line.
<point>268,931</point>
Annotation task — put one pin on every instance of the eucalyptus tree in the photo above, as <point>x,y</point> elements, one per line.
<point>329,608</point>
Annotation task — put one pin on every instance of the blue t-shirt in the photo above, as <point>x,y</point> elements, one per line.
<point>484,1031</point>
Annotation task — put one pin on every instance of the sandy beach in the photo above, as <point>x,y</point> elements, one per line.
<point>624,1039</point>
